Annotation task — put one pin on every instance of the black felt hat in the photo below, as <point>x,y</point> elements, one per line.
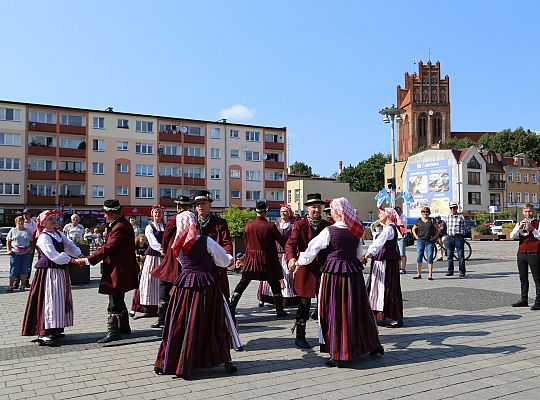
<point>202,195</point>
<point>112,205</point>
<point>314,198</point>
<point>182,200</point>
<point>261,206</point>
<point>327,205</point>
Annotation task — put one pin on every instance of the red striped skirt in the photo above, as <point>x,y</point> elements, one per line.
<point>195,333</point>
<point>136,305</point>
<point>347,327</point>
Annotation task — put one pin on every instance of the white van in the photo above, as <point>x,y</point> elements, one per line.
<point>496,228</point>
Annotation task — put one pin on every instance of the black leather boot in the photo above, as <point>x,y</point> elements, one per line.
<point>124,322</point>
<point>300,340</point>
<point>278,301</point>
<point>160,323</point>
<point>113,330</point>
<point>315,314</point>
<point>235,298</point>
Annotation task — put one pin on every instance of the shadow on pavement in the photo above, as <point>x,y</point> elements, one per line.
<point>445,320</point>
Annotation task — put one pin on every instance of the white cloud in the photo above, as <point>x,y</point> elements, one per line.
<point>237,112</point>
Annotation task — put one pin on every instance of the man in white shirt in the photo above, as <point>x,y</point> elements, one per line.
<point>74,230</point>
<point>30,224</point>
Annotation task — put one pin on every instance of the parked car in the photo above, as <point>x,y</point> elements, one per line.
<point>367,224</point>
<point>3,234</point>
<point>469,224</point>
<point>496,228</point>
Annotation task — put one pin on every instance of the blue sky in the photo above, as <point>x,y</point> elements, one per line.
<point>322,69</point>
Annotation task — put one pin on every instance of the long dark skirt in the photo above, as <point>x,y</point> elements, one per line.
<point>136,305</point>
<point>195,333</point>
<point>347,327</point>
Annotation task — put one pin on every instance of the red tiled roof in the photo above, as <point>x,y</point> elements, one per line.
<point>474,136</point>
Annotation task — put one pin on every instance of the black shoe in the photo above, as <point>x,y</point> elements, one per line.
<point>535,306</point>
<point>241,348</point>
<point>261,303</point>
<point>123,322</point>
<point>315,315</point>
<point>27,284</point>
<point>158,371</point>
<point>334,363</point>
<point>521,303</point>
<point>111,337</point>
<point>229,367</point>
<point>402,271</point>
<point>9,290</point>
<point>462,275</point>
<point>301,342</point>
<point>430,278</point>
<point>157,324</point>
<point>395,324</point>
<point>417,277</point>
<point>449,274</point>
<point>378,350</point>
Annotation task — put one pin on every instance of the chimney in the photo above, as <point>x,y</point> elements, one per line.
<point>340,167</point>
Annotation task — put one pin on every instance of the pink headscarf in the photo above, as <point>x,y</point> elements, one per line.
<point>41,220</point>
<point>392,215</point>
<point>343,207</point>
<point>186,232</point>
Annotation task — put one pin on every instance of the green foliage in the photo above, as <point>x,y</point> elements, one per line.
<point>368,175</point>
<point>504,215</point>
<point>421,149</point>
<point>483,230</point>
<point>237,218</point>
<point>457,144</point>
<point>481,218</point>
<point>300,168</point>
<point>510,143</point>
<point>508,225</point>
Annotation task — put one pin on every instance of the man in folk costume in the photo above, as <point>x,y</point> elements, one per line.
<point>327,212</point>
<point>261,260</point>
<point>306,280</point>
<point>169,268</point>
<point>120,269</point>
<point>217,229</point>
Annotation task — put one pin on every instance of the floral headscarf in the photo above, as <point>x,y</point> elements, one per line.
<point>343,207</point>
<point>392,215</point>
<point>186,232</point>
<point>41,220</point>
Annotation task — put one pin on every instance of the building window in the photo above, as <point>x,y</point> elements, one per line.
<point>216,194</point>
<point>170,150</point>
<point>68,190</point>
<point>169,193</point>
<point>193,172</point>
<point>535,198</point>
<point>235,153</point>
<point>73,120</point>
<point>144,170</point>
<point>253,176</point>
<point>144,148</point>
<point>194,131</point>
<point>474,178</point>
<point>214,153</point>
<point>234,133</point>
<point>526,195</point>
<point>275,176</point>
<point>97,145</point>
<point>43,117</point>
<point>494,199</point>
<point>9,189</point>
<point>235,194</point>
<point>42,165</point>
<point>526,177</point>
<point>169,128</point>
<point>193,151</point>
<point>253,156</point>
<point>510,177</point>
<point>253,195</point>
<point>144,126</point>
<point>71,166</point>
<point>518,177</point>
<point>215,134</point>
<point>98,123</point>
<point>491,159</point>
<point>72,143</point>
<point>252,136</point>
<point>122,191</point>
<point>215,173</point>
<point>235,173</point>
<point>474,164</point>
<point>10,139</point>
<point>170,171</point>
<point>443,96</point>
<point>123,123</point>
<point>289,196</point>
<point>122,168</point>
<point>275,195</point>
<point>122,146</point>
<point>97,169</point>
<point>511,197</point>
<point>10,164</point>
<point>475,198</point>
<point>518,197</point>
<point>533,178</point>
<point>522,162</point>
<point>144,192</point>
<point>42,189</point>
<point>98,191</point>
<point>10,114</point>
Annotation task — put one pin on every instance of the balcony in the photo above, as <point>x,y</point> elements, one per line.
<point>193,139</point>
<point>194,160</point>
<point>36,199</point>
<point>41,150</point>
<point>76,200</point>
<point>274,184</point>
<point>72,175</point>
<point>188,181</point>
<point>274,146</point>
<point>41,127</point>
<point>69,152</point>
<point>274,164</point>
<point>42,175</point>
<point>169,136</point>
<point>166,158</point>
<point>73,129</point>
<point>497,185</point>
<point>166,201</point>
<point>274,204</point>
<point>170,180</point>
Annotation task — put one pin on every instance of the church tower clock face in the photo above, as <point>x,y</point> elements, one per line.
<point>430,112</point>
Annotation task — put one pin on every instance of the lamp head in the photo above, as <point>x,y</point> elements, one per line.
<point>398,118</point>
<point>386,120</point>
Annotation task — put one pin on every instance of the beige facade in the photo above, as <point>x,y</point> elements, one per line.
<point>12,154</point>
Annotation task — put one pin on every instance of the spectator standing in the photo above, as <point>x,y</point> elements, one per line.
<point>19,246</point>
<point>136,229</point>
<point>425,231</point>
<point>455,239</point>
<point>74,230</point>
<point>30,223</point>
<point>441,239</point>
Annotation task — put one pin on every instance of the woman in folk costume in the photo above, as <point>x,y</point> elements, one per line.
<point>146,298</point>
<point>347,328</point>
<point>49,308</point>
<point>384,285</point>
<point>199,331</point>
<point>264,294</point>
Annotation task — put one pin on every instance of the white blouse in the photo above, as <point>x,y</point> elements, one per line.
<point>149,233</point>
<point>45,244</point>
<point>378,243</point>
<point>218,253</point>
<point>320,242</point>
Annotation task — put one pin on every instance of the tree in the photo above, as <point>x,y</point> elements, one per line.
<point>368,175</point>
<point>237,218</point>
<point>510,143</point>
<point>457,144</point>
<point>300,168</point>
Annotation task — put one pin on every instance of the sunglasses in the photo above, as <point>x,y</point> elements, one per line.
<point>426,212</point>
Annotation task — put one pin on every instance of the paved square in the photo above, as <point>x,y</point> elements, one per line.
<point>461,340</point>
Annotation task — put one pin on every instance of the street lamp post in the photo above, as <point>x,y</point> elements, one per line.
<point>392,114</point>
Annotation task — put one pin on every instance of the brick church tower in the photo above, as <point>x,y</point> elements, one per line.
<point>426,101</point>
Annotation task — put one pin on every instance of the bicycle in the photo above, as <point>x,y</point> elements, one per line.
<point>467,250</point>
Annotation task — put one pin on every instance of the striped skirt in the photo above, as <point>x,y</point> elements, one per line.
<point>347,329</point>
<point>148,285</point>
<point>196,332</point>
<point>136,305</point>
<point>265,294</point>
<point>49,305</point>
<point>384,290</point>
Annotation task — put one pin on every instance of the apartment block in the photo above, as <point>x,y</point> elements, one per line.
<point>74,158</point>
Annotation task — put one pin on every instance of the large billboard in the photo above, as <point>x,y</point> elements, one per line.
<point>430,183</point>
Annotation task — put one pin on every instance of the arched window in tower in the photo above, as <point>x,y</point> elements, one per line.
<point>434,79</point>
<point>434,95</point>
<point>443,95</point>
<point>436,128</point>
<point>422,130</point>
<point>425,78</point>
<point>417,95</point>
<point>425,97</point>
